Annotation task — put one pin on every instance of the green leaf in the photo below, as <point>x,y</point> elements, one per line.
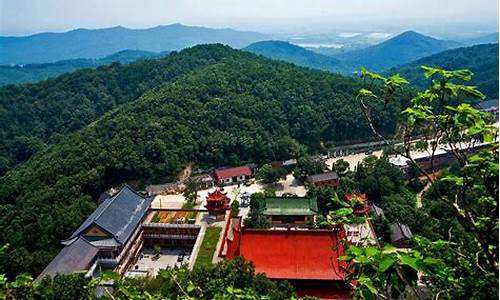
<point>388,248</point>
<point>343,211</point>
<point>366,93</point>
<point>372,75</point>
<point>409,261</point>
<point>372,251</point>
<point>429,71</point>
<point>397,80</point>
<point>190,287</point>
<point>368,283</point>
<point>471,91</point>
<point>431,261</point>
<point>463,74</point>
<point>459,181</point>
<point>386,262</point>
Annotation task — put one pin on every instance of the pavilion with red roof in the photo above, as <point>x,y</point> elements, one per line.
<point>217,202</point>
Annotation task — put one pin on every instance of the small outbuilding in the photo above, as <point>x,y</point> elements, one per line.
<point>400,235</point>
<point>327,179</point>
<point>232,175</point>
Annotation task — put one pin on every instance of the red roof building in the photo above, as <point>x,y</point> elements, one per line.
<point>294,254</point>
<point>306,258</point>
<point>217,201</point>
<point>232,175</point>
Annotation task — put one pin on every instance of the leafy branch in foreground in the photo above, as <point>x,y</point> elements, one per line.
<point>439,118</point>
<point>227,280</point>
<point>388,273</point>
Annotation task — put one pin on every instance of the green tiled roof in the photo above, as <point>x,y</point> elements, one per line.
<point>290,206</point>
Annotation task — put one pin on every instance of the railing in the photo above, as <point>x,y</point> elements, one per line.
<point>167,225</point>
<point>91,270</point>
<point>121,268</point>
<point>135,238</point>
<point>170,236</point>
<point>178,209</point>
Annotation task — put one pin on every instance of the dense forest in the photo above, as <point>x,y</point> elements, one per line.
<point>297,55</point>
<point>34,72</point>
<point>210,105</point>
<point>480,59</point>
<point>34,115</point>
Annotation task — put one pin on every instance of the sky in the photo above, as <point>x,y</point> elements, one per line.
<point>24,17</point>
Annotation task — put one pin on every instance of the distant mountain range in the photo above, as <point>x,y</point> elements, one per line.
<point>34,72</point>
<point>480,59</point>
<point>297,55</point>
<point>408,50</point>
<point>399,50</point>
<point>84,48</point>
<point>98,43</point>
<point>491,38</point>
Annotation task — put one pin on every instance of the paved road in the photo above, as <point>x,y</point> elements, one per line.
<point>352,159</point>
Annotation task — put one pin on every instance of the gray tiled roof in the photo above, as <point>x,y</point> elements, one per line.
<point>323,176</point>
<point>119,215</point>
<point>400,231</point>
<point>75,257</point>
<point>376,210</point>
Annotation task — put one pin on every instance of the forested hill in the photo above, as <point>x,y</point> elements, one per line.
<point>297,55</point>
<point>34,72</point>
<point>34,115</point>
<point>480,59</point>
<point>399,50</point>
<point>97,43</point>
<point>232,107</point>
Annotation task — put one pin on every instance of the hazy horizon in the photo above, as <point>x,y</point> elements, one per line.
<point>285,17</point>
